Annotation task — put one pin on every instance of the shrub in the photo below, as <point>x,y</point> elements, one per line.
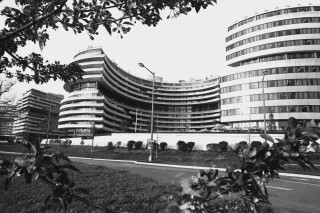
<point>256,144</point>
<point>190,146</point>
<point>138,144</point>
<point>213,147</point>
<point>81,142</point>
<point>223,146</point>
<point>118,144</point>
<point>163,145</point>
<point>110,144</point>
<point>182,146</point>
<point>130,144</point>
<point>66,143</point>
<point>243,142</point>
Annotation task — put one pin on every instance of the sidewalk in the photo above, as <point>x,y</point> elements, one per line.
<point>174,166</point>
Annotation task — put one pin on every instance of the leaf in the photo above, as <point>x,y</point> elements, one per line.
<point>3,172</point>
<point>292,123</point>
<point>126,22</point>
<point>41,43</point>
<point>267,137</point>
<point>108,28</point>
<point>61,155</point>
<point>230,168</point>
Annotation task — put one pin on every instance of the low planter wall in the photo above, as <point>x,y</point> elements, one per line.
<point>200,139</point>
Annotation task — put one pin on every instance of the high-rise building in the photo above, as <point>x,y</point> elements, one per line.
<point>37,115</point>
<point>280,47</point>
<point>7,114</point>
<point>109,99</point>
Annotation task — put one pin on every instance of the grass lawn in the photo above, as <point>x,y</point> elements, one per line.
<point>115,189</point>
<point>194,158</point>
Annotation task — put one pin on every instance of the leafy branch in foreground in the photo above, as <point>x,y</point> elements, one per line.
<point>30,20</point>
<point>257,165</point>
<point>51,169</point>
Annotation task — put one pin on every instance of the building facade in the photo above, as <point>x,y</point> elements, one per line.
<point>37,116</point>
<point>109,99</point>
<point>275,53</point>
<point>7,115</point>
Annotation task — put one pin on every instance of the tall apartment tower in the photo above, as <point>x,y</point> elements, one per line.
<point>7,115</point>
<point>37,115</point>
<point>279,51</point>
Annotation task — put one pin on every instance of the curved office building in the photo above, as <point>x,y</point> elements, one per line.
<point>283,45</point>
<point>116,101</point>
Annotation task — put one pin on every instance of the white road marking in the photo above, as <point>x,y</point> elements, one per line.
<point>274,187</point>
<point>313,184</point>
<point>300,179</point>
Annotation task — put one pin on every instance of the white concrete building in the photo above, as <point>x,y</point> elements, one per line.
<point>285,44</point>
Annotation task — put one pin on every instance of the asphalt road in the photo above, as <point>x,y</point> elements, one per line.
<point>290,194</point>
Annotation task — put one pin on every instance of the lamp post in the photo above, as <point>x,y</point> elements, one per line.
<point>152,106</point>
<point>264,103</point>
<point>92,130</point>
<point>49,117</point>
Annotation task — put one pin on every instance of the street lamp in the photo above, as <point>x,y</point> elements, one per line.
<point>152,105</point>
<point>92,130</point>
<point>264,102</point>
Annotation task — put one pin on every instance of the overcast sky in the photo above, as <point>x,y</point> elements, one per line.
<point>190,46</point>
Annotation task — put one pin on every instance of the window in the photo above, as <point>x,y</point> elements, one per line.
<point>283,109</point>
<point>293,108</point>
<point>304,108</point>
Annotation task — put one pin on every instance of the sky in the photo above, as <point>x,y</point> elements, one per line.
<point>190,46</point>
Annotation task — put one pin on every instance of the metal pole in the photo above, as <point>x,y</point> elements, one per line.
<point>92,137</point>
<point>49,117</point>
<point>135,127</point>
<point>264,104</point>
<point>152,107</point>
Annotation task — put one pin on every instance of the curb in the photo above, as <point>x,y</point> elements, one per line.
<point>175,166</point>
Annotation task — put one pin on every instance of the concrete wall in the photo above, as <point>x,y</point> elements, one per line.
<point>200,139</point>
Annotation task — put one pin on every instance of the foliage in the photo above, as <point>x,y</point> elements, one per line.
<point>32,21</point>
<point>256,144</point>
<point>257,165</point>
<point>223,146</point>
<point>51,169</point>
<point>182,146</point>
<point>243,143</point>
<point>81,142</point>
<point>66,143</point>
<point>138,144</point>
<point>213,147</point>
<point>110,144</point>
<point>163,145</point>
<point>190,146</point>
<point>118,144</point>
<point>130,144</point>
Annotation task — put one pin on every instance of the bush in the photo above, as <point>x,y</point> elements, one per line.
<point>223,146</point>
<point>66,143</point>
<point>256,144</point>
<point>118,144</point>
<point>138,144</point>
<point>190,146</point>
<point>243,143</point>
<point>81,142</point>
<point>110,144</point>
<point>182,146</point>
<point>163,145</point>
<point>213,147</point>
<point>130,144</point>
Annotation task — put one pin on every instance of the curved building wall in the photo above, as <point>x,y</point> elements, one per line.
<point>113,100</point>
<point>285,45</point>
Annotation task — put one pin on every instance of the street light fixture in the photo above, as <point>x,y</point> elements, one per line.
<point>152,108</point>
<point>264,103</point>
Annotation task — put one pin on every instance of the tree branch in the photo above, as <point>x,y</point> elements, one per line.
<point>14,33</point>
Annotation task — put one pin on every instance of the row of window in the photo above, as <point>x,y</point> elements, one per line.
<point>273,24</point>
<point>84,95</point>
<point>273,96</point>
<point>270,71</point>
<point>274,45</point>
<point>273,109</point>
<point>278,57</point>
<point>81,85</point>
<point>274,83</point>
<point>274,13</point>
<point>273,35</point>
<point>285,95</point>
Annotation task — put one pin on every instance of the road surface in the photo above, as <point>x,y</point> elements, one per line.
<point>290,194</point>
